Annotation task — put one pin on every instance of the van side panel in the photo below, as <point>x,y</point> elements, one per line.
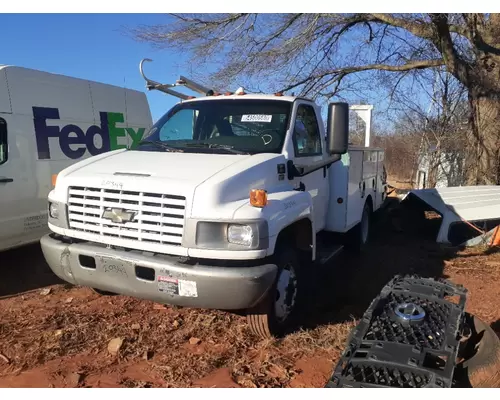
<point>116,105</point>
<point>138,113</point>
<point>4,93</point>
<point>30,88</point>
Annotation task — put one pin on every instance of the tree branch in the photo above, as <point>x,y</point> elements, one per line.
<point>444,43</point>
<point>422,29</point>
<point>341,72</point>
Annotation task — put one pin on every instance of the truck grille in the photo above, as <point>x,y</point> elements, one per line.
<point>157,218</point>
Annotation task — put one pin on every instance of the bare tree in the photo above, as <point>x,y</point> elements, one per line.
<point>320,55</point>
<point>440,124</point>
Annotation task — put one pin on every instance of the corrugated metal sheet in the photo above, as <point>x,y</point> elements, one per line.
<point>470,203</point>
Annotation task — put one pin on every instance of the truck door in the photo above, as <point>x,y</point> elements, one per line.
<point>307,150</point>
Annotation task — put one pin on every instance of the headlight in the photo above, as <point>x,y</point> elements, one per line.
<point>58,214</point>
<point>54,210</point>
<point>244,235</point>
<point>240,234</point>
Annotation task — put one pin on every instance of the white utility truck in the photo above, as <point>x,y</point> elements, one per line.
<point>47,123</point>
<point>225,204</point>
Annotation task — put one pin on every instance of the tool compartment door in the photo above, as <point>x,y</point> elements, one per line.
<point>355,198</point>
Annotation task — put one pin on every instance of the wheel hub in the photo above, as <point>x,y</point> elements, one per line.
<point>286,293</point>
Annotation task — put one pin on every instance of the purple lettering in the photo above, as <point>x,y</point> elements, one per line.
<point>42,131</point>
<point>65,140</point>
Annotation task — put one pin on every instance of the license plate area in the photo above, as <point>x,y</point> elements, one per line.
<point>114,266</point>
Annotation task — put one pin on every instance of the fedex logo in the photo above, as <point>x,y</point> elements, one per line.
<point>73,141</point>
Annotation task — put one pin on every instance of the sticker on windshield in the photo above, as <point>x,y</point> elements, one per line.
<point>256,118</point>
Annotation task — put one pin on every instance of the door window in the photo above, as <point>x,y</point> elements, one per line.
<point>3,141</point>
<point>306,136</point>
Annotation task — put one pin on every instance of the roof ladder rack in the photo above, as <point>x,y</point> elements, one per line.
<point>166,87</point>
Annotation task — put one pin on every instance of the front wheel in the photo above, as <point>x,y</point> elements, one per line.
<point>276,312</point>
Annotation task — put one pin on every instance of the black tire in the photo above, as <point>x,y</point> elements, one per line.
<point>359,236</point>
<point>262,318</point>
<point>103,292</point>
<point>482,351</point>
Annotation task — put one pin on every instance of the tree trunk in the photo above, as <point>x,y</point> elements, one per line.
<point>483,163</point>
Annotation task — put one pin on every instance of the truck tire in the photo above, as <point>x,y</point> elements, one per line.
<point>276,313</point>
<point>483,364</point>
<point>359,236</point>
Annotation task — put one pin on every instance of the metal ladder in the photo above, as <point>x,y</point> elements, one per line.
<point>166,87</point>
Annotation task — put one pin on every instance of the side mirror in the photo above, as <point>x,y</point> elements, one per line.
<point>337,129</point>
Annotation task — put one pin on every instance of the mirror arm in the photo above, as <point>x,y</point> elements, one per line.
<point>295,171</point>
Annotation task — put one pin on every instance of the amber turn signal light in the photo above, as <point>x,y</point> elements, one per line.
<point>54,179</point>
<point>258,198</point>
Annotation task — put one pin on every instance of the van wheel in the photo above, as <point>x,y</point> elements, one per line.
<point>275,314</point>
<point>358,237</point>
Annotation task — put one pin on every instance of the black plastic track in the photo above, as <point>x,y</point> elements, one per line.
<point>388,350</point>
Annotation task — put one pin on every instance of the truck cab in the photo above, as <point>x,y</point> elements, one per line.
<point>220,206</point>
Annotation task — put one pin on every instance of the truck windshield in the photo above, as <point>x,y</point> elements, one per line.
<point>232,126</point>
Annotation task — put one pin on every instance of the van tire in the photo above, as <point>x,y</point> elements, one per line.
<point>482,367</point>
<point>264,319</point>
<point>359,236</point>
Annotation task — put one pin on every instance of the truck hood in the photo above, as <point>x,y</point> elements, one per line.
<point>221,181</point>
<point>187,168</point>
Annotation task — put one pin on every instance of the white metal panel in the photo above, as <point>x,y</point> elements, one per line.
<point>369,164</point>
<point>336,218</point>
<point>109,105</point>
<point>123,110</point>
<point>379,185</point>
<point>470,203</point>
<point>138,113</point>
<point>31,88</point>
<point>4,92</point>
<point>106,98</point>
<point>355,202</point>
<point>23,202</point>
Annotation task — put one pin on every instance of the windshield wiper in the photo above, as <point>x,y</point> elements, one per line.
<point>230,149</point>
<point>162,145</point>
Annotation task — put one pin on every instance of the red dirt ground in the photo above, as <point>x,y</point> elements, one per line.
<point>60,339</point>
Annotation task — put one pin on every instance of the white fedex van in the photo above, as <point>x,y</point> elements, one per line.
<point>47,123</point>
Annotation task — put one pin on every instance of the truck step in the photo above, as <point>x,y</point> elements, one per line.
<point>325,254</point>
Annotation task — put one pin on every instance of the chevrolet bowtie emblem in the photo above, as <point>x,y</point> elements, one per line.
<point>118,215</point>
